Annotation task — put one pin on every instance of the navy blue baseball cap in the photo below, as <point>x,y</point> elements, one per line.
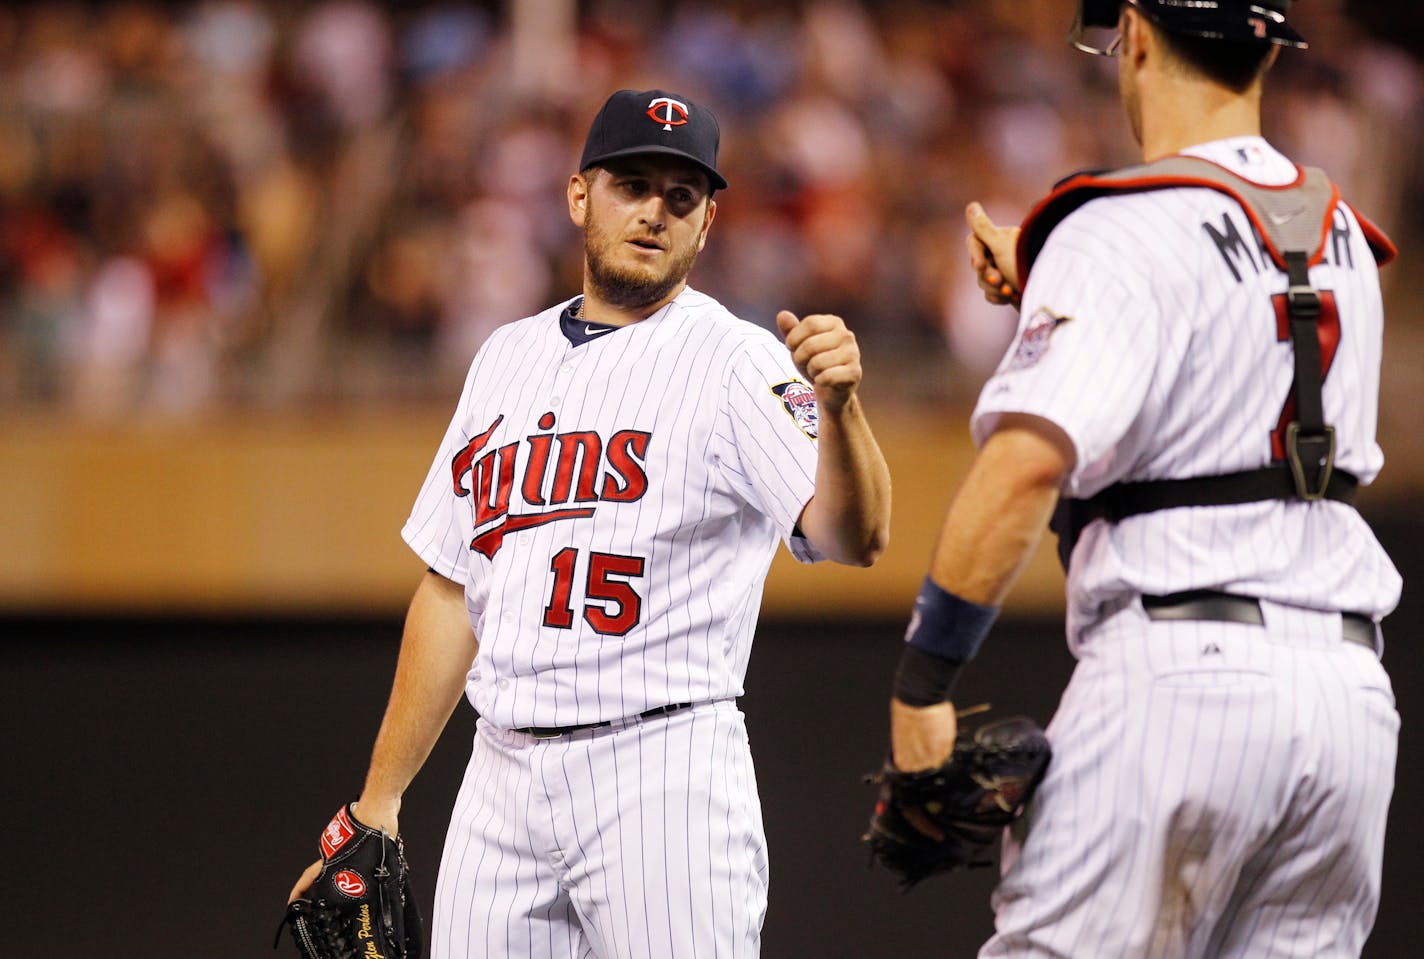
<point>640,122</point>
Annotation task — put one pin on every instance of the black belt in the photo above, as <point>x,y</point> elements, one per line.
<point>1212,606</point>
<point>553,732</point>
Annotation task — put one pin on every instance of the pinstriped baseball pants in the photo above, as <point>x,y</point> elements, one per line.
<point>640,841</point>
<point>1217,791</point>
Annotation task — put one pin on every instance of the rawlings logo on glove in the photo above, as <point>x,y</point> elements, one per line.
<point>949,818</point>
<point>360,905</point>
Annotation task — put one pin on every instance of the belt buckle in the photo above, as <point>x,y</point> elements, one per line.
<point>545,732</point>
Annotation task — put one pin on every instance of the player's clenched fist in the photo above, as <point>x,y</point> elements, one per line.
<point>826,353</point>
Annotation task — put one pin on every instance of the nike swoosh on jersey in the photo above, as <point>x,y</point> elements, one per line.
<point>590,330</point>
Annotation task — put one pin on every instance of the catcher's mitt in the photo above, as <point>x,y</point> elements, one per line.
<point>981,788</point>
<point>360,904</point>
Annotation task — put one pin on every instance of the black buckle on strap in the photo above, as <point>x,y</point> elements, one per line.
<point>1312,459</point>
<point>1303,302</point>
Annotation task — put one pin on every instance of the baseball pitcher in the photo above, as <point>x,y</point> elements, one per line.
<point>598,523</point>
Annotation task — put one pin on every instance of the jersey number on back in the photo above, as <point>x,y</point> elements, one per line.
<point>614,607</point>
<point>1327,329</point>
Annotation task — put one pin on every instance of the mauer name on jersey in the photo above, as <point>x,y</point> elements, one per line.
<point>550,470</point>
<point>1236,252</point>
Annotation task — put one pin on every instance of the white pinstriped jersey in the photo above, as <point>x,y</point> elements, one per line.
<point>613,507</point>
<point>1149,335</point>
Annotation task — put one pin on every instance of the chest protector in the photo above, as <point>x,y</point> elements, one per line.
<point>1293,223</point>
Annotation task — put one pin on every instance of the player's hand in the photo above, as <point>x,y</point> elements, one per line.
<point>378,814</point>
<point>921,737</point>
<point>304,882</point>
<point>993,256</point>
<point>826,353</point>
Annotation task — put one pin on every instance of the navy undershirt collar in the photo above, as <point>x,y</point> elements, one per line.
<point>579,332</point>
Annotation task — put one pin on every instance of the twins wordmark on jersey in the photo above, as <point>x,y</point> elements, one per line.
<point>550,470</point>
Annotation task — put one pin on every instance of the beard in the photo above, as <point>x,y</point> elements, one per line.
<point>630,287</point>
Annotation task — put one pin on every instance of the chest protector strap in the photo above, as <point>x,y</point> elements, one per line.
<point>1293,222</point>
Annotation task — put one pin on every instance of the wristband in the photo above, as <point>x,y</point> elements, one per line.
<point>948,626</point>
<point>924,680</point>
<point>945,632</point>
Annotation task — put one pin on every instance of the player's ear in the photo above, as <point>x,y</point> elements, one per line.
<point>1136,35</point>
<point>706,223</point>
<point>578,198</point>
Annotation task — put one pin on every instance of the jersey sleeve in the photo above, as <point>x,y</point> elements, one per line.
<point>438,527</point>
<point>1085,351</point>
<point>766,445</point>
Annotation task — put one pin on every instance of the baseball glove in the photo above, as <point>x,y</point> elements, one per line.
<point>360,904</point>
<point>983,786</point>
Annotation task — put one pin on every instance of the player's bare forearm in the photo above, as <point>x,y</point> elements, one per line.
<point>848,517</point>
<point>998,516</point>
<point>437,648</point>
<point>993,527</point>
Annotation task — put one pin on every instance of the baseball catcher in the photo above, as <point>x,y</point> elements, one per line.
<point>360,904</point>
<point>948,818</point>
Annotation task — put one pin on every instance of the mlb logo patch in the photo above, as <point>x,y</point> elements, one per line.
<point>799,400</point>
<point>1033,342</point>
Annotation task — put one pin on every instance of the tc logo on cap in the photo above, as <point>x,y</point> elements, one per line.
<point>673,112</point>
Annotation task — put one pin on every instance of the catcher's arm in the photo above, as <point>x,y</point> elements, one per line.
<point>437,648</point>
<point>993,526</point>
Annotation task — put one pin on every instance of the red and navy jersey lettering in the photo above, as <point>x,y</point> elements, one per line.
<point>585,470</point>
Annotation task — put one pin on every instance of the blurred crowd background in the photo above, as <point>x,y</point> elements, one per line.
<point>247,204</point>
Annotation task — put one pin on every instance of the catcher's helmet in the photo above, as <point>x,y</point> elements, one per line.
<point>1241,21</point>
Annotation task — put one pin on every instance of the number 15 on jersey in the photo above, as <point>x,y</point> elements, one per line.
<point>613,605</point>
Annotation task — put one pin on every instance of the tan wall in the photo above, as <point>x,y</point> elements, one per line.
<point>303,514</point>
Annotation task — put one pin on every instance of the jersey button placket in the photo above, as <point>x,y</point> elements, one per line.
<point>562,378</point>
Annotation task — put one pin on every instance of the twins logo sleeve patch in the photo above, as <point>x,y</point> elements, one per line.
<point>799,401</point>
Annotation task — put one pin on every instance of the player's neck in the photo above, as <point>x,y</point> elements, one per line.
<point>595,310</point>
<point>1185,114</point>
